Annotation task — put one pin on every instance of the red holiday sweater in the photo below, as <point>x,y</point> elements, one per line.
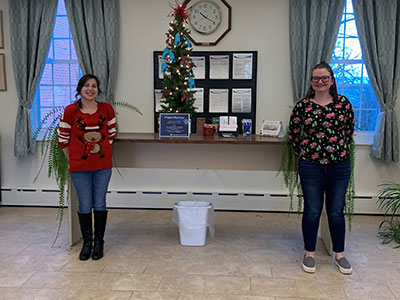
<point>88,136</point>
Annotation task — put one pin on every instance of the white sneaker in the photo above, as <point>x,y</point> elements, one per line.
<point>344,266</point>
<point>308,264</point>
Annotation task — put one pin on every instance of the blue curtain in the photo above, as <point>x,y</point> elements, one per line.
<point>378,24</point>
<point>313,31</point>
<point>31,26</point>
<point>94,27</point>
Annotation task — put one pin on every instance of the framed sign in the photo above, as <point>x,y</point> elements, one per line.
<point>174,125</point>
<point>1,30</point>
<point>3,85</point>
<point>272,128</point>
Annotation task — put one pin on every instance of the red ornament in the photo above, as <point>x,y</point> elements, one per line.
<point>185,60</point>
<point>169,39</point>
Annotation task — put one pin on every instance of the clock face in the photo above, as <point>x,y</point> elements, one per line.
<point>205,17</point>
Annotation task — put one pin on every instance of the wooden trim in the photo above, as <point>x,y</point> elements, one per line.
<point>214,43</point>
<point>1,31</point>
<point>3,81</point>
<point>197,139</point>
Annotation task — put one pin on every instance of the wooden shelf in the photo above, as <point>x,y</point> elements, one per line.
<point>197,139</point>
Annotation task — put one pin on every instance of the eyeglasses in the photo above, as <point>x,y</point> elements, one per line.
<point>315,79</point>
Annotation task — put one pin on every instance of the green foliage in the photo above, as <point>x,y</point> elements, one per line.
<point>350,193</point>
<point>127,106</point>
<point>56,160</point>
<point>58,167</point>
<point>389,198</point>
<point>52,153</point>
<point>389,202</point>
<point>389,230</point>
<point>177,97</point>
<point>290,170</point>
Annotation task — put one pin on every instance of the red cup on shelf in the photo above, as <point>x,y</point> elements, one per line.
<point>208,130</point>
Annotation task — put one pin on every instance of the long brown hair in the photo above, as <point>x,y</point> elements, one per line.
<point>332,90</point>
<point>80,85</point>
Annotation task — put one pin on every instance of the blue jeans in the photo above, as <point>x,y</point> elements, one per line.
<point>316,181</point>
<point>91,188</point>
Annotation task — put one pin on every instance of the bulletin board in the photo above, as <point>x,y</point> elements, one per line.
<point>227,82</point>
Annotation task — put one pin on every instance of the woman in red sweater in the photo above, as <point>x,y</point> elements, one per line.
<point>86,131</point>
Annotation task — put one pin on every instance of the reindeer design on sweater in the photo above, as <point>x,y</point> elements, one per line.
<point>92,137</point>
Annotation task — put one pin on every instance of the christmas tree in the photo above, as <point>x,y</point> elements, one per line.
<point>178,66</point>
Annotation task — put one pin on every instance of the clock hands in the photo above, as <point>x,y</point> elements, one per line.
<point>205,17</point>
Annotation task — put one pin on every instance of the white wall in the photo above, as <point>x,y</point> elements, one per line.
<point>261,25</point>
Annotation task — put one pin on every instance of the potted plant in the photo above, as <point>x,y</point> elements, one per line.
<point>52,153</point>
<point>389,202</point>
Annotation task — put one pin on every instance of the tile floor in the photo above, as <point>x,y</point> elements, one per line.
<point>254,256</point>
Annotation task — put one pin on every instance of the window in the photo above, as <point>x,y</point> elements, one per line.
<point>351,74</point>
<point>61,72</point>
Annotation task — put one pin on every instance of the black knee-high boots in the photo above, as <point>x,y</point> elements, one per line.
<point>100,220</point>
<point>85,221</point>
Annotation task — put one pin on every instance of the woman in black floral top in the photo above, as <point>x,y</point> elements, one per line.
<point>321,130</point>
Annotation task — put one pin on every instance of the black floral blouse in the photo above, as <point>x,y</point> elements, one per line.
<point>322,134</point>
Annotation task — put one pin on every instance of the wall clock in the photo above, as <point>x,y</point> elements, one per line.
<point>205,17</point>
<point>209,21</point>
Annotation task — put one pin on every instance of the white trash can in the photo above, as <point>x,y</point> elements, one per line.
<point>193,218</point>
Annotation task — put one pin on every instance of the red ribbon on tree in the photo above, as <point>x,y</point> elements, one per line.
<point>166,93</point>
<point>186,95</point>
<point>185,60</point>
<point>180,10</point>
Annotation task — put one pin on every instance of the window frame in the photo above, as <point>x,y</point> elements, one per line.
<point>361,136</point>
<point>37,105</point>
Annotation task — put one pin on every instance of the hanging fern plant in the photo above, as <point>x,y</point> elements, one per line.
<point>52,153</point>
<point>290,170</point>
<point>350,193</point>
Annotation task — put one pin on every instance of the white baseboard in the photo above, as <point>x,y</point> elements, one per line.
<point>164,199</point>
<point>29,197</point>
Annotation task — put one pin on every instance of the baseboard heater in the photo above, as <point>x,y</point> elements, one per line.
<point>166,199</point>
